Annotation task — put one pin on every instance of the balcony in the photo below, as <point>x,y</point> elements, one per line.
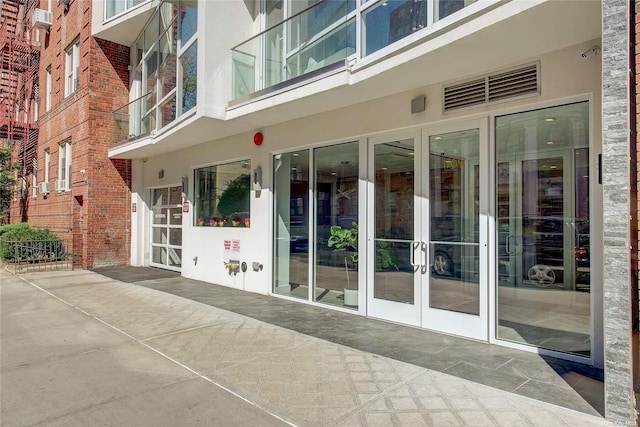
<point>314,41</point>
<point>134,120</point>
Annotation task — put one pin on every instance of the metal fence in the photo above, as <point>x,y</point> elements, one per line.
<point>39,255</point>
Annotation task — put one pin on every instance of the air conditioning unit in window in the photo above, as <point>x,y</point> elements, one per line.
<point>41,19</point>
<point>44,187</point>
<point>61,184</point>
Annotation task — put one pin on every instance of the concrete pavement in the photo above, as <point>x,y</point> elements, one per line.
<point>78,348</point>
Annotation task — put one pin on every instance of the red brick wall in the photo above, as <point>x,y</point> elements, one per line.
<point>96,212</point>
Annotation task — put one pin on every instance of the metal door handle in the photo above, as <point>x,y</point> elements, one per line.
<point>414,245</point>
<point>507,244</point>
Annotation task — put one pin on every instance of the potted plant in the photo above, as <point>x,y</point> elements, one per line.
<point>247,222</point>
<point>200,222</point>
<point>346,240</point>
<point>235,220</point>
<point>213,221</point>
<point>223,219</point>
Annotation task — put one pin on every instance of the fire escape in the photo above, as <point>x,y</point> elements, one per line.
<point>20,57</point>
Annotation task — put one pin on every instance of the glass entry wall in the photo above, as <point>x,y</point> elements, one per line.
<point>542,227</point>
<point>291,172</point>
<point>336,224</point>
<point>166,228</point>
<point>317,187</point>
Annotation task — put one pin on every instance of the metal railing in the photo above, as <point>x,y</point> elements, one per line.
<point>39,255</point>
<point>136,119</point>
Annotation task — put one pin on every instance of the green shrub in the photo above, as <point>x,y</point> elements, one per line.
<point>23,232</point>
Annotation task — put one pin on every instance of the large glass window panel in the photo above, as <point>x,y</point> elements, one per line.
<point>291,195</point>
<point>188,20</point>
<point>151,32</point>
<point>114,7</point>
<point>151,77</point>
<point>167,59</point>
<point>223,195</point>
<point>189,70</point>
<point>167,13</point>
<point>336,198</point>
<point>394,221</point>
<point>168,111</point>
<point>543,257</point>
<point>444,8</point>
<point>392,20</point>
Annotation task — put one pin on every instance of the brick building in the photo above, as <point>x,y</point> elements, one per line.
<point>67,183</point>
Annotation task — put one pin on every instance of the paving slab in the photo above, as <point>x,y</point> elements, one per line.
<point>165,360</point>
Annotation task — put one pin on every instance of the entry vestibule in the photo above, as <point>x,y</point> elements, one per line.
<point>449,230</point>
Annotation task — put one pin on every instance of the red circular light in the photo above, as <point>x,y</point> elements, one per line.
<point>257,138</point>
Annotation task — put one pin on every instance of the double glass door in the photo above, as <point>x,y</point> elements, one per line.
<point>428,245</point>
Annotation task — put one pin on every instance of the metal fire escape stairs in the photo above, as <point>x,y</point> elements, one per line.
<point>19,90</point>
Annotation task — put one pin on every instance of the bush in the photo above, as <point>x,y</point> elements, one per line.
<point>23,232</point>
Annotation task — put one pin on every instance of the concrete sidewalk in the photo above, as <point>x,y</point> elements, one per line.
<point>78,348</point>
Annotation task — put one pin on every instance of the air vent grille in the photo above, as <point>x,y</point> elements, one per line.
<point>463,95</point>
<point>495,87</point>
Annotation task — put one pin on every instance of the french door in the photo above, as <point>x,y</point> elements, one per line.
<point>428,231</point>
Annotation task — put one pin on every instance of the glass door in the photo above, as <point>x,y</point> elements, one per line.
<point>427,250</point>
<point>166,228</point>
<point>455,201</point>
<point>396,255</point>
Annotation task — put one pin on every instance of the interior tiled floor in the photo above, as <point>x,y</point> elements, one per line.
<point>572,385</point>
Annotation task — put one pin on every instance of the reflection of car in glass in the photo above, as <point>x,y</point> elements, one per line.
<point>540,249</point>
<point>460,257</point>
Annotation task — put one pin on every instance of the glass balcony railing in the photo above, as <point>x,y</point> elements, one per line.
<point>317,38</point>
<point>133,120</point>
<point>324,35</point>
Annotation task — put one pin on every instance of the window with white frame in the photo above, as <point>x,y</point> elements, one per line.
<point>222,195</point>
<point>166,64</point>
<point>47,164</point>
<point>116,7</point>
<point>72,67</point>
<point>48,89</point>
<point>64,167</point>
<point>34,178</point>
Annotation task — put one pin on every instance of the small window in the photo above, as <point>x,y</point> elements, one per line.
<point>34,178</point>
<point>64,167</point>
<point>48,89</point>
<point>72,68</point>
<point>47,164</point>
<point>222,195</point>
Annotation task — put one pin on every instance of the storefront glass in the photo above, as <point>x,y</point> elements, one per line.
<point>336,224</point>
<point>291,195</point>
<point>543,251</point>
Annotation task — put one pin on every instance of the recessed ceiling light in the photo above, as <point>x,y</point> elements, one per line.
<point>411,153</point>
<point>550,119</point>
<point>549,142</point>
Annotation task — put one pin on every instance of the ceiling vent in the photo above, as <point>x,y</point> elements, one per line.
<point>494,87</point>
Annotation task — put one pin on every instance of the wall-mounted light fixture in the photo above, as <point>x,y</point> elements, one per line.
<point>256,179</point>
<point>161,174</point>
<point>185,186</point>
